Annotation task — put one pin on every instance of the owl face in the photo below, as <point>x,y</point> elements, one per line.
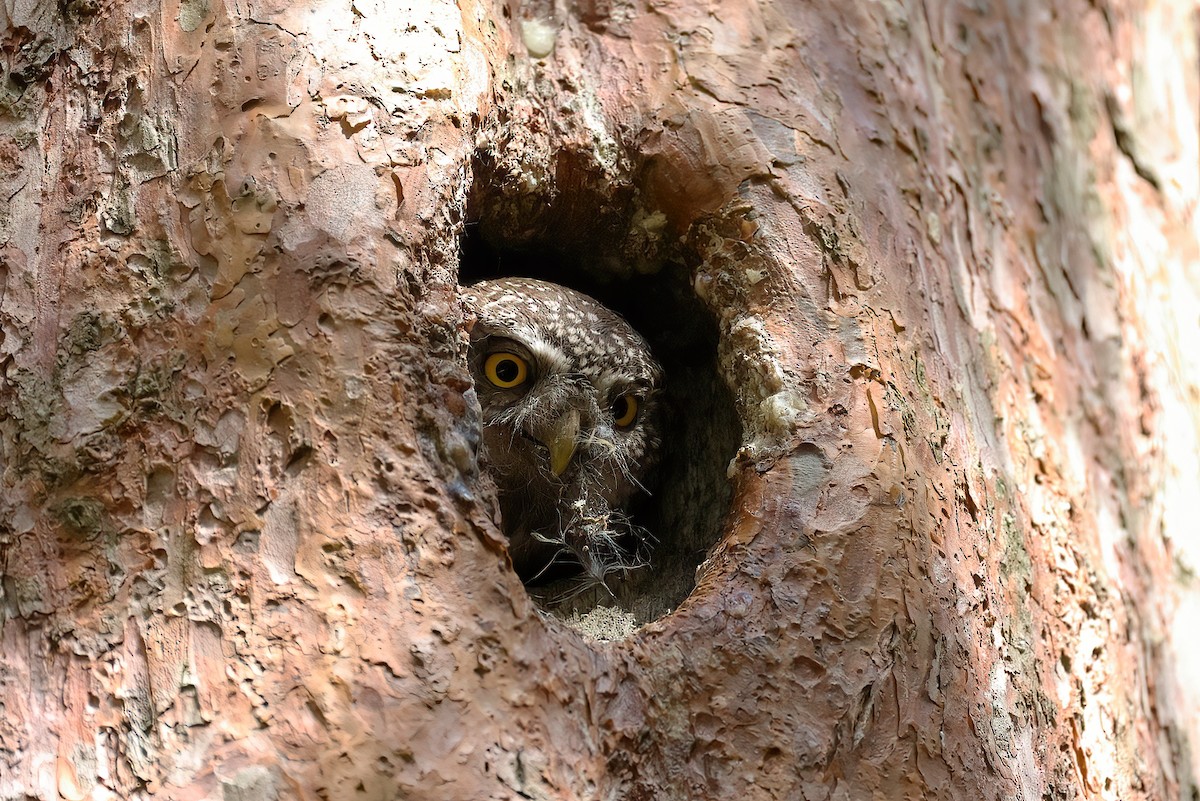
<point>570,397</point>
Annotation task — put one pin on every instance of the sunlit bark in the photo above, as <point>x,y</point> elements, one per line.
<point>951,250</point>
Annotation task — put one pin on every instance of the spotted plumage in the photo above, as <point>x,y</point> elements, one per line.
<point>571,399</point>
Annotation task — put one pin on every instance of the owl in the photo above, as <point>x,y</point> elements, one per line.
<point>571,399</point>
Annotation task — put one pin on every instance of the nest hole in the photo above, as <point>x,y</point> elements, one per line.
<point>566,243</point>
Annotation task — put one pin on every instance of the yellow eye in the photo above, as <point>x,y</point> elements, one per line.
<point>505,370</point>
<point>625,410</point>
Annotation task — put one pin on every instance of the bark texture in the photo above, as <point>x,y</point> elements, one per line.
<point>950,250</point>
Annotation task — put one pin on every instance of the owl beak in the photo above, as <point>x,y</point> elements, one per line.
<point>563,439</point>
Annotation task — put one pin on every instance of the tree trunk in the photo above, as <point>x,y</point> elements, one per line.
<point>925,275</point>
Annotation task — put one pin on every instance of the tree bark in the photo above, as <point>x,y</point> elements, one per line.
<point>949,252</point>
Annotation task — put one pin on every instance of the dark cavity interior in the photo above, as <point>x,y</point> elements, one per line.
<point>687,510</point>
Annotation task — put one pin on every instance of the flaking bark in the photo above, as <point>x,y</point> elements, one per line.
<point>245,551</point>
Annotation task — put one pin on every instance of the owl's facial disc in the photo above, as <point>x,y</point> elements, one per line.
<point>572,406</point>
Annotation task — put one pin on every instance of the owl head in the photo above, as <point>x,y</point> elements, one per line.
<point>571,399</point>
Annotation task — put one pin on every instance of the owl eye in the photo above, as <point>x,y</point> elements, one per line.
<point>506,370</point>
<point>625,411</point>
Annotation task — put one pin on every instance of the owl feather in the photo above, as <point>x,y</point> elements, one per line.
<point>571,402</point>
